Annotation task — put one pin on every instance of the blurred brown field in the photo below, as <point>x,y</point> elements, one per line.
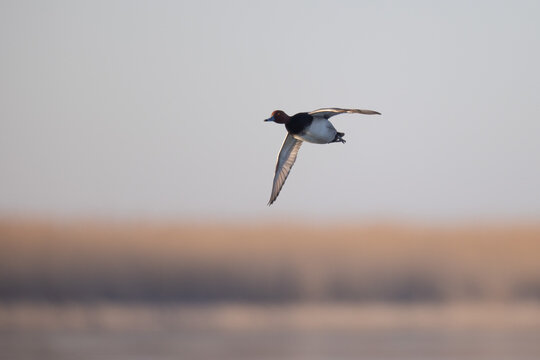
<point>273,262</point>
<point>141,290</point>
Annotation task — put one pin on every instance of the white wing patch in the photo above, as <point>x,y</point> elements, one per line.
<point>286,159</point>
<point>329,112</point>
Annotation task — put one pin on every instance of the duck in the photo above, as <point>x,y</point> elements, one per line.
<point>313,127</point>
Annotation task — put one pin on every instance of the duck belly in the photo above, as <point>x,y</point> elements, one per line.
<point>320,131</point>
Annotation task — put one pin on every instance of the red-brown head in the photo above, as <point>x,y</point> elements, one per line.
<point>280,117</point>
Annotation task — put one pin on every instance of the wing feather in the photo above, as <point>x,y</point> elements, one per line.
<point>286,159</point>
<point>329,112</point>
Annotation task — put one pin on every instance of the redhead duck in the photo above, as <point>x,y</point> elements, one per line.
<point>312,127</point>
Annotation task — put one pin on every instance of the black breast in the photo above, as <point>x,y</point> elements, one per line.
<point>298,123</point>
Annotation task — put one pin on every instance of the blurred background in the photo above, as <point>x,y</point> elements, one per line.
<point>135,169</point>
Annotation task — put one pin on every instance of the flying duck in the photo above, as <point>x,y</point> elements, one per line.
<point>312,127</point>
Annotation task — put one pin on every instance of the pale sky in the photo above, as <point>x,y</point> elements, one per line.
<point>154,108</point>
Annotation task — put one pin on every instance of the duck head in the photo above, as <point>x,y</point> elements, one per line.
<point>279,117</point>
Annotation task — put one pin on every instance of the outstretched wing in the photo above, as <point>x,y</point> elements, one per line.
<point>329,112</point>
<point>286,159</point>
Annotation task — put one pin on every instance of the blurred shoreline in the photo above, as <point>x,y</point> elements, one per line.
<point>93,261</point>
<point>140,290</point>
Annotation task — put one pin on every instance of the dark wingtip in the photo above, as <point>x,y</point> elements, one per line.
<point>271,201</point>
<point>368,112</point>
<point>372,112</point>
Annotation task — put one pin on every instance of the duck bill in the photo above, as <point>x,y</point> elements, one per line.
<point>270,119</point>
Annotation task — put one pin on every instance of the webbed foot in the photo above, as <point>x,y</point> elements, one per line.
<point>339,138</point>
